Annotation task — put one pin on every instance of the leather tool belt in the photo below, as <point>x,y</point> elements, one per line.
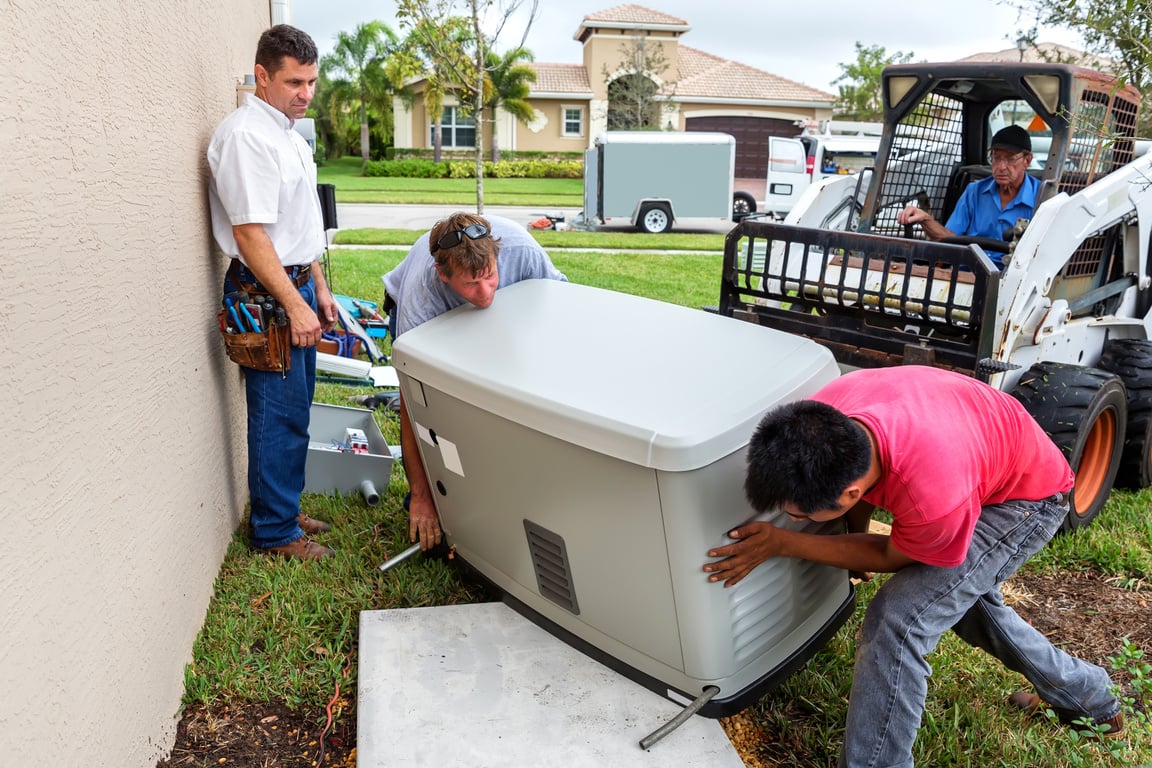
<point>253,324</point>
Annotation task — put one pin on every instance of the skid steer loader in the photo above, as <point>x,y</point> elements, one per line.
<point>1064,325</point>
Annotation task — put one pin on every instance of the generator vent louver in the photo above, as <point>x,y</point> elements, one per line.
<point>550,562</point>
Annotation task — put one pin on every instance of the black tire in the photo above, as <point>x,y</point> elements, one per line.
<point>1084,411</point>
<point>1131,360</point>
<point>742,205</point>
<point>655,218</point>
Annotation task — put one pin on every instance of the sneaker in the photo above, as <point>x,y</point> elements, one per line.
<point>311,525</point>
<point>1111,728</point>
<point>302,549</point>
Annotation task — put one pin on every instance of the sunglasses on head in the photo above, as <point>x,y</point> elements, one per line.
<point>455,237</point>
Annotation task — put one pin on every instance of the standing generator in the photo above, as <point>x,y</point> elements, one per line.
<point>586,448</point>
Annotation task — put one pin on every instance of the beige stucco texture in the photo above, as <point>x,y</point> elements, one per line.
<point>123,469</point>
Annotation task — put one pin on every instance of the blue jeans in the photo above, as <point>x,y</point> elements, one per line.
<point>279,407</point>
<point>917,604</point>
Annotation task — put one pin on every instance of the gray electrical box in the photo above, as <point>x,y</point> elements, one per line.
<point>329,468</point>
<point>586,448</point>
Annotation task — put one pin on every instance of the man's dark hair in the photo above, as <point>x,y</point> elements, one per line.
<point>284,40</point>
<point>804,453</point>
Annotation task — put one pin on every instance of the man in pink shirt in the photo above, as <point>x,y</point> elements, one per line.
<point>974,487</point>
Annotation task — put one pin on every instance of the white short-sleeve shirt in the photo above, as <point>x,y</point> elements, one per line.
<point>263,173</point>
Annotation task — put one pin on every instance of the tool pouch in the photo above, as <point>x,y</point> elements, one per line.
<point>266,350</point>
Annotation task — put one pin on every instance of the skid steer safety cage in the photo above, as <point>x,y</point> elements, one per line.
<point>872,300</point>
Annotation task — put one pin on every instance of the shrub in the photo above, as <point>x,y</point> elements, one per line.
<point>518,169</point>
<point>414,169</point>
<point>469,155</point>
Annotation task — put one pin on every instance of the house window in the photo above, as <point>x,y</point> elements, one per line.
<point>456,130</point>
<point>573,121</point>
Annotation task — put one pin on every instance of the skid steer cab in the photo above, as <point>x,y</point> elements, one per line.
<point>1063,325</point>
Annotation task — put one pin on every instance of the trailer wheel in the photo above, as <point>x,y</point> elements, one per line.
<point>1131,360</point>
<point>742,205</point>
<point>1084,411</point>
<point>655,218</point>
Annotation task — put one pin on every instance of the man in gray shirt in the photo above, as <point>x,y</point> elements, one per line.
<point>464,259</point>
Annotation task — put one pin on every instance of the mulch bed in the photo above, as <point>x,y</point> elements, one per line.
<point>261,736</point>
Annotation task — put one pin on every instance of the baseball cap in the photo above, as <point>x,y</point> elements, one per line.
<point>1014,138</point>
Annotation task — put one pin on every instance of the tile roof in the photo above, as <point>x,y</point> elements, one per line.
<point>634,14</point>
<point>704,75</point>
<point>700,75</point>
<point>561,78</point>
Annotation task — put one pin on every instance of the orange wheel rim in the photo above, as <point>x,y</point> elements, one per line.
<point>1094,462</point>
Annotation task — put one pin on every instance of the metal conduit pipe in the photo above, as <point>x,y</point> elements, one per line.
<point>704,697</point>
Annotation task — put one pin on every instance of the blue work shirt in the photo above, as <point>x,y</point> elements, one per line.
<point>978,212</point>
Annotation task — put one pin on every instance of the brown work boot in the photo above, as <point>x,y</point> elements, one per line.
<point>302,549</point>
<point>311,525</point>
<point>1110,728</point>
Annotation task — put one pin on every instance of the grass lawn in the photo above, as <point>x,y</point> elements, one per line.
<point>287,631</point>
<point>351,187</point>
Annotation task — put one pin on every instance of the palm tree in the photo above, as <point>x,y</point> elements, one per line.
<point>507,85</point>
<point>356,72</point>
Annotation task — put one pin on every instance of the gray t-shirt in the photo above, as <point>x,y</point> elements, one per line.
<point>421,295</point>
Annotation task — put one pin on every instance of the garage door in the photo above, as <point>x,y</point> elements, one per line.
<point>751,134</point>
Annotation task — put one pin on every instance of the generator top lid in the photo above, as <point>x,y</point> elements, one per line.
<point>644,381</point>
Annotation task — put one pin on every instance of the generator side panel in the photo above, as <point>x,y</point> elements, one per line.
<point>735,636</point>
<point>591,519</point>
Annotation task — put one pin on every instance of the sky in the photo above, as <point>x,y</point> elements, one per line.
<point>801,41</point>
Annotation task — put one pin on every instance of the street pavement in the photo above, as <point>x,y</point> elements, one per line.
<point>362,215</point>
<point>422,217</point>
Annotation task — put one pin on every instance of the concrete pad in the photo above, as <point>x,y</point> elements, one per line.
<point>481,686</point>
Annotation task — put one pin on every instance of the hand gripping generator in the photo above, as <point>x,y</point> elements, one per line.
<point>586,448</point>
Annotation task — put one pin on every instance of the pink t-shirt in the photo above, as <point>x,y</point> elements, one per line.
<point>948,445</point>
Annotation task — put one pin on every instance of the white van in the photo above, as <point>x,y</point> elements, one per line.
<point>793,164</point>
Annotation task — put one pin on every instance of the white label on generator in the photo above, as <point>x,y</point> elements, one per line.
<point>425,435</point>
<point>450,456</point>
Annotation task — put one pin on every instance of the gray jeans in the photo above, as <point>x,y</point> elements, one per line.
<point>917,604</point>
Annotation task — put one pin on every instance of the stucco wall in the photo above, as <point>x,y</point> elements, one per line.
<point>123,421</point>
<point>544,133</point>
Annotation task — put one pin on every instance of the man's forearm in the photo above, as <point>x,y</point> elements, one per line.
<point>318,277</point>
<point>850,551</point>
<point>413,464</point>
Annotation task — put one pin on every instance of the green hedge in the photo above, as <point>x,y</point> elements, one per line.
<point>469,155</point>
<point>412,169</point>
<point>460,169</point>
<point>518,169</point>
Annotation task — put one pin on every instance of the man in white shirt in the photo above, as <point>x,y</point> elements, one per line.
<point>266,216</point>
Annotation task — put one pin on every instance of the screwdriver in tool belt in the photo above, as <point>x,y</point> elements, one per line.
<point>232,313</point>
<point>248,316</point>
